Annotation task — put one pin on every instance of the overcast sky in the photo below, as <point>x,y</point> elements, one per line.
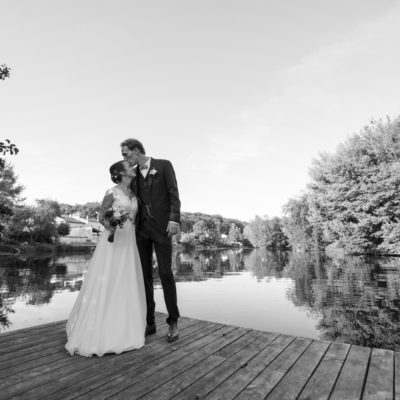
<point>240,95</point>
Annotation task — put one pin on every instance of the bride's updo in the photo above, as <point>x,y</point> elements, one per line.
<point>116,171</point>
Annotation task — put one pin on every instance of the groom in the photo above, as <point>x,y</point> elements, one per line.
<point>158,220</point>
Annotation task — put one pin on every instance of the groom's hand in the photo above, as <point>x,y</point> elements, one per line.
<point>172,228</point>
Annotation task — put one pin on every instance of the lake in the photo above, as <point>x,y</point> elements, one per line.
<point>349,299</point>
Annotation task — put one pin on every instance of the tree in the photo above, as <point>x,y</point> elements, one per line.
<point>91,209</point>
<point>21,226</point>
<point>255,232</point>
<point>63,229</point>
<point>53,206</point>
<point>299,225</point>
<point>45,228</point>
<point>234,234</point>
<point>355,191</point>
<point>4,72</point>
<point>10,192</point>
<point>6,147</point>
<point>275,237</point>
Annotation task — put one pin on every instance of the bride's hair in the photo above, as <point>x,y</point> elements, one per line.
<point>116,171</point>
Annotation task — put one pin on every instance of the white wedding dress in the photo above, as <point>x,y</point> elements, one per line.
<point>109,314</point>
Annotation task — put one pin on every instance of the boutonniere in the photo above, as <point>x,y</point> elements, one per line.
<point>153,171</point>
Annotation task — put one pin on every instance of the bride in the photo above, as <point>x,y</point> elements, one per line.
<point>109,314</point>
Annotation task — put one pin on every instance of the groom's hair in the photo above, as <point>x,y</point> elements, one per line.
<point>116,171</point>
<point>132,144</point>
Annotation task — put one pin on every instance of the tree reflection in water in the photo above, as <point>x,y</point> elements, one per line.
<point>354,299</point>
<point>357,297</point>
<point>30,280</point>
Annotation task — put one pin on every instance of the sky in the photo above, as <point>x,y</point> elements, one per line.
<point>240,95</point>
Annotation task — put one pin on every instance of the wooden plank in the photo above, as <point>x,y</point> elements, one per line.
<point>47,378</point>
<point>296,378</point>
<point>350,383</point>
<point>242,349</point>
<point>210,360</point>
<point>28,359</point>
<point>77,384</point>
<point>30,331</point>
<point>245,368</point>
<point>31,339</point>
<point>397,375</point>
<point>263,384</point>
<point>12,357</point>
<point>379,385</point>
<point>148,380</point>
<point>323,380</point>
<point>214,378</point>
<point>17,373</point>
<point>25,345</point>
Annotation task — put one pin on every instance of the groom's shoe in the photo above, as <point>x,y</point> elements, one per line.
<point>173,333</point>
<point>151,329</point>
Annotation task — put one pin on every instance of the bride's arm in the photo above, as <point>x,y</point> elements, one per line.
<point>105,205</point>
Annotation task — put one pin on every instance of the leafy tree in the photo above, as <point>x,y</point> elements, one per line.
<point>207,231</point>
<point>10,192</point>
<point>21,226</point>
<point>7,146</point>
<point>63,229</point>
<point>356,190</point>
<point>91,209</point>
<point>266,232</point>
<point>4,72</point>
<point>275,237</point>
<point>255,231</point>
<point>52,206</point>
<point>301,226</point>
<point>45,228</point>
<point>234,233</point>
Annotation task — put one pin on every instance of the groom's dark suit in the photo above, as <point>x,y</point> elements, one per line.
<point>158,204</point>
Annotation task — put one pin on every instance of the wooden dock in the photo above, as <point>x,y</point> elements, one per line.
<point>209,361</point>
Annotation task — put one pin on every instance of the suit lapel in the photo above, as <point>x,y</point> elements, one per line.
<point>149,176</point>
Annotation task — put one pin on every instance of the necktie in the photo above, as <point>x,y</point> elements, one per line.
<point>144,166</point>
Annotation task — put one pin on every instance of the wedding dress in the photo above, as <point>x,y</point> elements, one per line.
<point>109,314</point>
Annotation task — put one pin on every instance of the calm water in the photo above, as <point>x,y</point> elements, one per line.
<point>350,299</point>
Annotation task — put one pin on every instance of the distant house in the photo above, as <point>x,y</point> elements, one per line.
<point>82,230</point>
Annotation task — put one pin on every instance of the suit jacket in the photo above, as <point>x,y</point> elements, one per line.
<point>161,197</point>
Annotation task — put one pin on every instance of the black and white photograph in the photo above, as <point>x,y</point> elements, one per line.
<point>200,199</point>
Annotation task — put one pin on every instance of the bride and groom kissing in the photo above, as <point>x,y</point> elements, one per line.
<point>115,307</point>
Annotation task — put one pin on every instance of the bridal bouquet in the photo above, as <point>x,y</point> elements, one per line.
<point>116,218</point>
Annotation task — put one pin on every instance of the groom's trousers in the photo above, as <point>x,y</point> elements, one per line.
<point>147,239</point>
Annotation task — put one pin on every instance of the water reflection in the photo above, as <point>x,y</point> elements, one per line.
<point>34,281</point>
<point>352,299</point>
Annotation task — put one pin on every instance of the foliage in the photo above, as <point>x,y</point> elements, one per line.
<point>255,232</point>
<point>189,219</point>
<point>90,209</point>
<point>356,191</point>
<point>63,229</point>
<point>10,192</point>
<point>234,234</point>
<point>36,223</point>
<point>7,147</point>
<point>4,72</point>
<point>45,228</point>
<point>266,232</point>
<point>299,225</point>
<point>210,230</point>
